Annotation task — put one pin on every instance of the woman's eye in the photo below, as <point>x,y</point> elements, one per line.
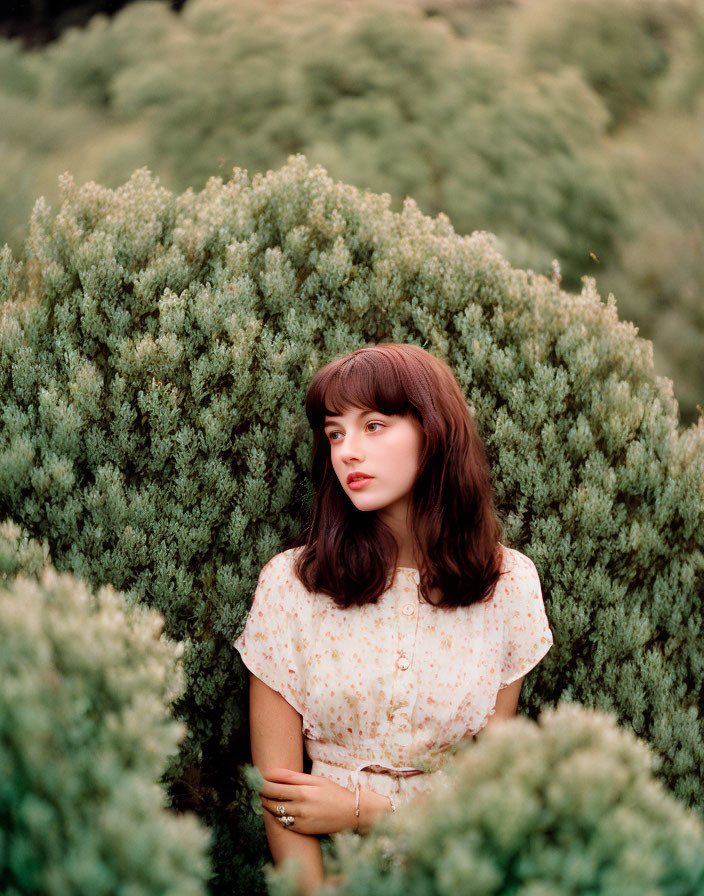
<point>373,426</point>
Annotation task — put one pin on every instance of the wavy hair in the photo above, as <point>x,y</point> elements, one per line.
<point>350,554</point>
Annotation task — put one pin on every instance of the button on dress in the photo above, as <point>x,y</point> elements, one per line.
<point>387,690</point>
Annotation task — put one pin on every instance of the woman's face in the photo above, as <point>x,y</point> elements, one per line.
<point>376,458</point>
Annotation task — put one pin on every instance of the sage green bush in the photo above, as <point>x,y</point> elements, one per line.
<point>155,351</point>
<point>565,806</point>
<point>85,733</point>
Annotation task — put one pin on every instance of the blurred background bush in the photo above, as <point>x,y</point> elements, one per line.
<point>572,129</point>
<point>85,734</point>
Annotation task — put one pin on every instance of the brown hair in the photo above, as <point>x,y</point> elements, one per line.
<point>351,555</point>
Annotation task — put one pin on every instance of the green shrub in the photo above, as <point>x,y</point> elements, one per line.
<point>154,356</point>
<point>20,554</point>
<point>383,97</point>
<point>566,806</point>
<point>84,735</point>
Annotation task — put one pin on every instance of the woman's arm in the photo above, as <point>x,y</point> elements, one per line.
<point>276,733</point>
<point>506,702</point>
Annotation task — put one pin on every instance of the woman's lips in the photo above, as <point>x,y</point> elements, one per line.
<point>359,483</point>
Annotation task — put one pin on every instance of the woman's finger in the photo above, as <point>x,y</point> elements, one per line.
<point>272,806</point>
<point>274,790</point>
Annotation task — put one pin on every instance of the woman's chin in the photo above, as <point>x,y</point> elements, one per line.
<point>366,503</point>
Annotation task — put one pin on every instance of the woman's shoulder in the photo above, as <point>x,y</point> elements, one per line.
<point>515,563</point>
<point>279,572</point>
<point>518,592</point>
<point>280,564</point>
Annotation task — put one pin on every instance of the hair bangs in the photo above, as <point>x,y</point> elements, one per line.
<point>358,381</point>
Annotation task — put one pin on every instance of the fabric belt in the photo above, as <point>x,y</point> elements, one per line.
<point>337,757</point>
<point>355,770</point>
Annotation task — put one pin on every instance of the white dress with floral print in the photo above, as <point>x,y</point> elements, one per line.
<point>385,691</point>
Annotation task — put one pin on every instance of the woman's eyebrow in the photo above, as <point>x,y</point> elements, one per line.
<point>331,420</point>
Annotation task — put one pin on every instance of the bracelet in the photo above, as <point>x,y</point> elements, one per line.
<point>356,807</point>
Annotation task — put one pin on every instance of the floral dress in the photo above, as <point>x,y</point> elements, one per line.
<point>387,690</point>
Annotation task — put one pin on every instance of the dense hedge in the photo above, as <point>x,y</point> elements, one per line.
<point>154,356</point>
<point>566,806</point>
<point>85,734</point>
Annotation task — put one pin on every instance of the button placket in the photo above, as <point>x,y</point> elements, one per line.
<point>409,629</point>
<point>405,680</point>
<point>406,677</point>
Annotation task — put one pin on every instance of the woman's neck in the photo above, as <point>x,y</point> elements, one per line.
<point>407,558</point>
<point>400,524</point>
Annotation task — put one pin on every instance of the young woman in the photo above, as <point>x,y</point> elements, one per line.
<point>398,625</point>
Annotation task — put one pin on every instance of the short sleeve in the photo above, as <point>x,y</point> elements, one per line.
<point>271,645</point>
<point>526,633</point>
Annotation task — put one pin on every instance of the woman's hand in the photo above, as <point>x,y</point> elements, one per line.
<point>318,805</point>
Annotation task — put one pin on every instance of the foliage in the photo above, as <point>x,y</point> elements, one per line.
<point>659,276</point>
<point>382,97</point>
<point>620,48</point>
<point>566,806</point>
<point>84,735</point>
<point>20,554</point>
<point>513,117</point>
<point>645,60</point>
<point>154,356</point>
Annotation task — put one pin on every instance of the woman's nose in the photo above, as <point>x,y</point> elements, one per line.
<point>352,448</point>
